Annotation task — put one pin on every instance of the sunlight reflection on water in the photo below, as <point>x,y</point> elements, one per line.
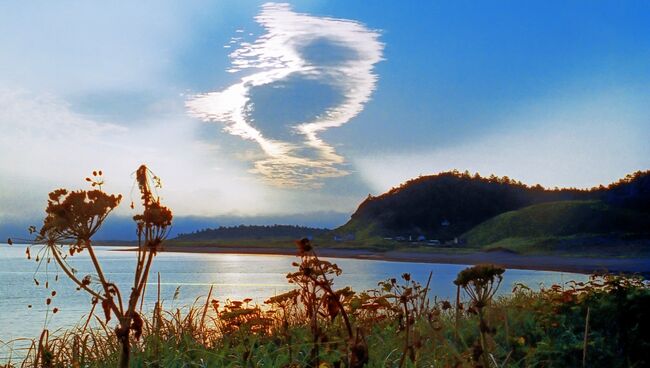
<point>235,277</point>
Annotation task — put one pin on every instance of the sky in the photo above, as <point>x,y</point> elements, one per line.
<point>288,111</point>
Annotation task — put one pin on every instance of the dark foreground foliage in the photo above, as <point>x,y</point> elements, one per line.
<point>601,323</point>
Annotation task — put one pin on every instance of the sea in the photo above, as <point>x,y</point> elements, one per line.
<point>186,278</point>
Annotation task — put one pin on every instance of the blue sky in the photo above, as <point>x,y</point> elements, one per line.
<point>330,100</point>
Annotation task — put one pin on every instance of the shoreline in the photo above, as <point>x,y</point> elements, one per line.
<point>558,263</point>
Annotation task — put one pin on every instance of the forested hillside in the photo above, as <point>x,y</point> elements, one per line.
<point>448,204</point>
<point>253,232</point>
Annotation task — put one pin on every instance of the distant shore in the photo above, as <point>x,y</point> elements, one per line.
<point>584,265</point>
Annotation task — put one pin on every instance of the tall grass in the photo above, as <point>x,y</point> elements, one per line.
<point>528,328</point>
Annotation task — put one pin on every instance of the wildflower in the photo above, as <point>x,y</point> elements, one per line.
<point>155,215</point>
<point>235,304</point>
<point>156,219</point>
<point>282,298</point>
<point>480,283</point>
<point>304,246</point>
<point>479,275</point>
<point>76,215</point>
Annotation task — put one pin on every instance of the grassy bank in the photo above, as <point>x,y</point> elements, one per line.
<point>603,323</point>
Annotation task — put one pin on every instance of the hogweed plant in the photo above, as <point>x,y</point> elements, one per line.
<point>314,279</point>
<point>481,282</point>
<point>285,305</point>
<point>409,302</point>
<point>74,217</point>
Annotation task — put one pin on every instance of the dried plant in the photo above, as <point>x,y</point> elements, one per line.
<point>314,279</point>
<point>409,303</point>
<point>481,282</point>
<point>74,217</point>
<point>546,328</point>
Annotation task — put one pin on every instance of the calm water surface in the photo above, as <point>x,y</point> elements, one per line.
<point>190,275</point>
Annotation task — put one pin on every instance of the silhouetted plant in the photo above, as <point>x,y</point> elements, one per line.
<point>73,218</point>
<point>410,303</point>
<point>283,306</point>
<point>481,282</point>
<point>313,279</point>
<point>543,329</point>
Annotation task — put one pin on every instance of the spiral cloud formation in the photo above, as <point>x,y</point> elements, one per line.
<point>304,75</point>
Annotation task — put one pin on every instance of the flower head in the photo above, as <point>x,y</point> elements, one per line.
<point>304,246</point>
<point>76,215</point>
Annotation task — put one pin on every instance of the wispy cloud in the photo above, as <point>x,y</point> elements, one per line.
<point>45,145</point>
<point>322,67</point>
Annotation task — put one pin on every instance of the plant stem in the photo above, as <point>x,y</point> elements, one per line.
<point>406,339</point>
<point>584,343</point>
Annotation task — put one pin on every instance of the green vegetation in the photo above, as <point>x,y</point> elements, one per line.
<point>498,212</point>
<point>446,205</point>
<point>555,226</point>
<point>480,213</point>
<point>225,233</point>
<point>602,323</point>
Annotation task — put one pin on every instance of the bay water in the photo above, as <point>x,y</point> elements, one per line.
<point>186,278</point>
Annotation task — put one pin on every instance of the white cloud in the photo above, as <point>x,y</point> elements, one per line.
<point>46,145</point>
<point>284,52</point>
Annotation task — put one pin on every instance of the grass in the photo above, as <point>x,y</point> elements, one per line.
<point>525,329</point>
<point>570,228</point>
<point>567,227</point>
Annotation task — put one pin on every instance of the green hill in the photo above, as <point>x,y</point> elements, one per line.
<point>448,204</point>
<point>561,223</point>
<point>491,210</point>
<point>479,212</point>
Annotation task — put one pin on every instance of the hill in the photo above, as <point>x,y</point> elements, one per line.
<point>553,225</point>
<point>252,232</point>
<point>450,204</point>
